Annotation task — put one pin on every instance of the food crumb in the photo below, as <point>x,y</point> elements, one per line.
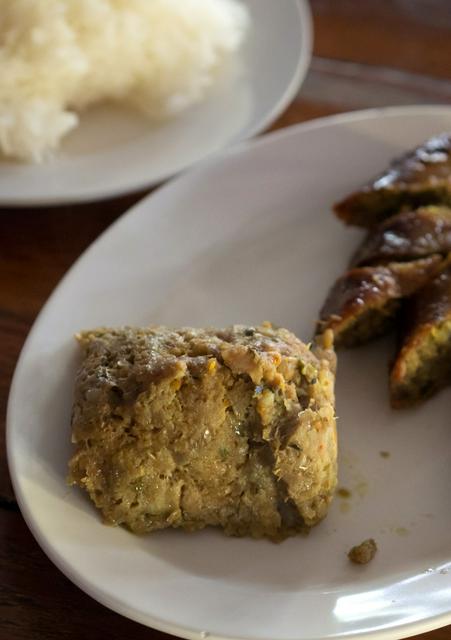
<point>401,531</point>
<point>343,492</point>
<point>362,489</point>
<point>363,552</point>
<point>384,454</point>
<point>345,507</point>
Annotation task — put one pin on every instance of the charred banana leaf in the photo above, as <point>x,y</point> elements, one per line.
<point>421,177</point>
<point>407,236</point>
<point>423,363</point>
<point>364,302</point>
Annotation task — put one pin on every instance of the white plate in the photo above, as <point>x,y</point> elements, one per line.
<point>245,238</point>
<point>115,151</point>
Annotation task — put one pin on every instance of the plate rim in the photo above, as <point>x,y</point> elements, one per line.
<point>393,633</point>
<point>259,126</point>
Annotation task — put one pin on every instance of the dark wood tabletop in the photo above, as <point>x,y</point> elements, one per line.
<point>367,53</point>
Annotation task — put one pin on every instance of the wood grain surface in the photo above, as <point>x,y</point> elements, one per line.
<point>367,53</point>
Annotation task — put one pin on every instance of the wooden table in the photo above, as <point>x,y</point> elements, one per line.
<point>367,53</point>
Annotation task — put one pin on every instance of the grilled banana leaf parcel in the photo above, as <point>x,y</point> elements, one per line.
<point>420,177</point>
<point>407,236</point>
<point>423,363</point>
<point>363,303</point>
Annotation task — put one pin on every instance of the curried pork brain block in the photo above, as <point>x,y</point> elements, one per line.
<point>194,427</point>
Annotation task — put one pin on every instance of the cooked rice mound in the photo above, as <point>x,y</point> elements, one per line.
<point>59,56</point>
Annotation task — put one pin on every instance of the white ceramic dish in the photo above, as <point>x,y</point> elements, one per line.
<point>245,238</point>
<point>115,151</point>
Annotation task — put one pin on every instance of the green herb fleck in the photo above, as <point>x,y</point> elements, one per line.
<point>223,453</point>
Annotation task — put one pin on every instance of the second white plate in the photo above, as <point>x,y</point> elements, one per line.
<point>115,151</point>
